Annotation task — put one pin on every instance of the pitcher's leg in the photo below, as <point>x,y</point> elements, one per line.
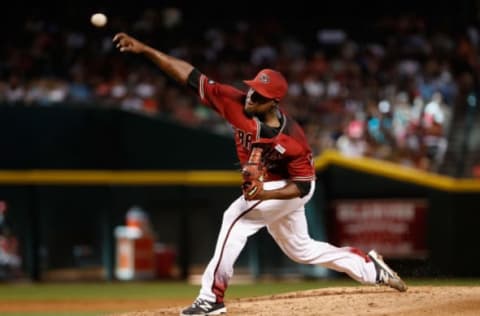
<point>291,234</point>
<point>237,226</point>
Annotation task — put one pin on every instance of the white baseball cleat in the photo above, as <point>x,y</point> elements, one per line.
<point>385,275</point>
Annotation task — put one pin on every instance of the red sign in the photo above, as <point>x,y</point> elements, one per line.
<point>396,228</point>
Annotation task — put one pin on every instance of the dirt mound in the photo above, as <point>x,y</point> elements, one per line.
<point>417,301</point>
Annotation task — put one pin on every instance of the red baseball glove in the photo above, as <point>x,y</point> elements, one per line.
<point>253,173</point>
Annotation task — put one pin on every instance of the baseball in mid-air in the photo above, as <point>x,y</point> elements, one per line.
<point>98,19</point>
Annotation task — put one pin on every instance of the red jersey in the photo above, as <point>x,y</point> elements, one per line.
<point>287,154</point>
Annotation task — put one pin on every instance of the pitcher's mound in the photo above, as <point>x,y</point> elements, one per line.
<point>361,300</point>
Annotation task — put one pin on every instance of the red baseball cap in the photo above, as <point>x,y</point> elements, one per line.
<point>269,83</point>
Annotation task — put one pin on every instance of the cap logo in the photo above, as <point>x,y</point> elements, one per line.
<point>264,78</point>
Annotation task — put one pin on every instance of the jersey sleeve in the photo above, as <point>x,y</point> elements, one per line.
<point>226,100</point>
<point>300,168</point>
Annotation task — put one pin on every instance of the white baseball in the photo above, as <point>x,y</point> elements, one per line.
<point>98,19</point>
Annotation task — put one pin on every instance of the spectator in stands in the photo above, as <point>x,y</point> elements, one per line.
<point>332,73</point>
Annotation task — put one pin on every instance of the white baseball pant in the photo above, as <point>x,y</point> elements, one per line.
<point>286,223</point>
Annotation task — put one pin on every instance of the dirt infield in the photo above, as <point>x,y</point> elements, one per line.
<point>417,301</point>
<point>338,301</point>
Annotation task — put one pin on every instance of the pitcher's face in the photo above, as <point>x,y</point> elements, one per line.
<point>255,103</point>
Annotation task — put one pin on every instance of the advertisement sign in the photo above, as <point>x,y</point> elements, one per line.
<point>394,227</point>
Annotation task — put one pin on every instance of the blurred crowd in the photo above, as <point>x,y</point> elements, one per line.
<point>10,259</point>
<point>390,91</point>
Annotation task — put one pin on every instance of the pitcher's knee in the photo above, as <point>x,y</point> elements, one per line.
<point>301,255</point>
<point>302,260</point>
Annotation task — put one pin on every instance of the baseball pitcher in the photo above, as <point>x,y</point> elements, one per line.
<point>278,180</point>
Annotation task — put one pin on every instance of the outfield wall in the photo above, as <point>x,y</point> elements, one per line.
<point>452,216</point>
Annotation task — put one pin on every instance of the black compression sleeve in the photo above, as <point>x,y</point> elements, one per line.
<point>194,79</point>
<point>303,186</point>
